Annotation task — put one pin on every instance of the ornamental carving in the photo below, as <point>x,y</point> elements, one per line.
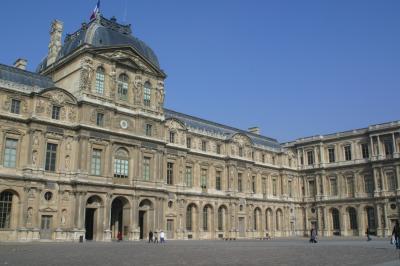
<point>86,74</point>
<point>72,114</point>
<point>138,89</point>
<point>40,106</point>
<point>112,81</point>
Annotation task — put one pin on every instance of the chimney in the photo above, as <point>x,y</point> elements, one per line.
<point>254,130</point>
<point>21,63</point>
<point>55,41</point>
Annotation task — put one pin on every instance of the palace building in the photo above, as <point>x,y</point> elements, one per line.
<point>88,149</point>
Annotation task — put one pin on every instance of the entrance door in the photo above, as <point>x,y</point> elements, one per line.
<point>45,228</point>
<point>241,227</point>
<point>89,221</point>
<point>141,223</point>
<point>170,229</point>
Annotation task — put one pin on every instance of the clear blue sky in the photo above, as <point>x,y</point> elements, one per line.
<point>293,68</point>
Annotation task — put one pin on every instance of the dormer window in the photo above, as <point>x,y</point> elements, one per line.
<point>55,114</point>
<point>123,87</point>
<point>172,137</point>
<point>99,80</point>
<point>147,94</point>
<point>15,106</point>
<point>241,152</point>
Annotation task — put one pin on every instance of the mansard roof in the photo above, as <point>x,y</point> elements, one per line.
<point>24,77</point>
<point>206,127</point>
<point>102,32</point>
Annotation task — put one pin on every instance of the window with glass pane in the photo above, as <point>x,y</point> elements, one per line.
<point>353,219</point>
<point>189,218</point>
<point>240,186</point>
<point>253,184</point>
<point>10,153</point>
<point>189,143</point>
<point>172,137</point>
<point>333,187</point>
<point>274,190</point>
<point>148,130</point>
<point>51,156</point>
<point>205,218</point>
<point>335,219</point>
<point>5,209</point>
<point>96,162</point>
<point>240,151</point>
<point>15,106</point>
<point>170,173</point>
<point>350,186</point>
<point>290,188</point>
<point>121,164</point>
<point>123,87</point>
<point>189,176</point>
<point>311,188</point>
<point>99,86</point>
<point>218,148</point>
<point>365,150</point>
<point>203,178</point>
<point>347,153</point>
<point>147,94</point>
<point>100,119</point>
<point>391,181</point>
<point>264,186</point>
<point>331,155</point>
<point>218,180</point>
<point>255,225</point>
<point>368,184</point>
<point>263,158</point>
<point>220,219</point>
<point>388,147</point>
<point>203,145</point>
<point>55,114</point>
<point>146,168</point>
<point>310,157</point>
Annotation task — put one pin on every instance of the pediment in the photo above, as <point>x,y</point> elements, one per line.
<point>175,124</point>
<point>241,139</point>
<point>58,96</point>
<point>48,209</point>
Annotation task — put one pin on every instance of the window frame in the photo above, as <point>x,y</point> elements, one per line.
<point>15,106</point>
<point>51,157</point>
<point>55,112</point>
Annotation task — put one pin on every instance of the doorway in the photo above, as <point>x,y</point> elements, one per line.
<point>170,229</point>
<point>141,223</point>
<point>93,221</point>
<point>89,223</point>
<point>241,227</point>
<point>45,227</point>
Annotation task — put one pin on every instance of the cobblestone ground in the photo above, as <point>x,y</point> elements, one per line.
<point>191,252</point>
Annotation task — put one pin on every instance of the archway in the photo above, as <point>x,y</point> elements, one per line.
<point>335,221</point>
<point>257,221</point>
<point>146,218</point>
<point>278,224</point>
<point>93,221</point>
<point>119,218</point>
<point>8,209</point>
<point>222,220</point>
<point>371,222</point>
<point>353,221</point>
<point>268,220</point>
<point>208,218</point>
<point>191,220</point>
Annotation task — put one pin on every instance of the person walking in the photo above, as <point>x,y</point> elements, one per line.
<point>313,234</point>
<point>119,236</point>
<point>150,236</point>
<point>155,237</point>
<point>162,237</point>
<point>368,234</point>
<point>396,234</point>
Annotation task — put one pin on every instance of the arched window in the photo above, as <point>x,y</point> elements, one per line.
<point>278,219</point>
<point>371,218</point>
<point>335,219</point>
<point>221,214</point>
<point>205,218</point>
<point>5,209</point>
<point>100,80</point>
<point>189,222</point>
<point>123,87</point>
<point>268,219</point>
<point>121,164</point>
<point>256,217</point>
<point>353,218</point>
<point>147,94</point>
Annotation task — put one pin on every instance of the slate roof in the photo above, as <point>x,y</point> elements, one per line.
<point>16,75</point>
<point>200,124</point>
<point>102,32</point>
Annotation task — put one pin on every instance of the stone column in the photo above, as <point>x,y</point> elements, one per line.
<point>398,178</point>
<point>361,220</point>
<point>386,230</point>
<point>384,181</point>
<point>376,181</point>
<point>343,221</point>
<point>378,220</point>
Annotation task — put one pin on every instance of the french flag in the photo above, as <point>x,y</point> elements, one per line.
<point>96,10</point>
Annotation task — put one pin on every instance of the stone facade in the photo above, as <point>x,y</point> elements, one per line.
<point>87,149</point>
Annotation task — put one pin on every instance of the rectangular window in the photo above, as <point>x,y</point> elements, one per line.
<point>274,189</point>
<point>100,81</point>
<point>170,173</point>
<point>123,90</point>
<point>189,176</point>
<point>203,145</point>
<point>365,150</point>
<point>171,137</point>
<point>240,185</point>
<point>100,119</point>
<point>311,188</point>
<point>218,180</point>
<point>121,168</point>
<point>51,156</point>
<point>347,153</point>
<point>263,158</point>
<point>188,143</point>
<point>96,162</point>
<point>253,184</point>
<point>203,178</point>
<point>334,189</point>
<point>55,114</point>
<point>290,188</point>
<point>391,180</point>
<point>302,160</point>
<point>331,155</point>
<point>218,148</point>
<point>264,186</point>
<point>147,96</point>
<point>388,147</point>
<point>10,153</point>
<point>368,184</point>
<point>310,157</point>
<point>240,151</point>
<point>350,186</point>
<point>15,106</point>
<point>148,130</point>
<point>146,168</point>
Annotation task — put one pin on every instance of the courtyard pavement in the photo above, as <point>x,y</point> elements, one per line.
<point>205,252</point>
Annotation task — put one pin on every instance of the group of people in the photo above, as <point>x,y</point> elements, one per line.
<point>153,237</point>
